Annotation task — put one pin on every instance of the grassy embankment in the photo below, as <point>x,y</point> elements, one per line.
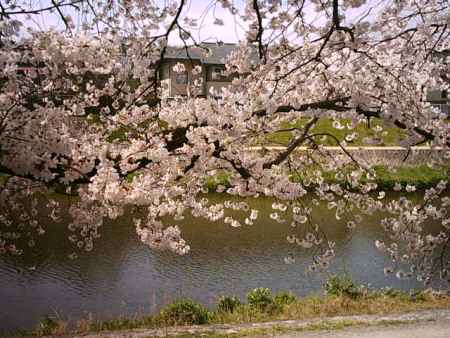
<point>421,175</point>
<point>342,297</point>
<point>387,136</point>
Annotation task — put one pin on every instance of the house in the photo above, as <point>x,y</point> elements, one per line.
<point>440,98</point>
<point>209,57</point>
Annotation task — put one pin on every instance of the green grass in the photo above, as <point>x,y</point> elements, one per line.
<point>421,176</point>
<point>212,182</point>
<point>3,178</point>
<point>389,136</point>
<point>119,134</point>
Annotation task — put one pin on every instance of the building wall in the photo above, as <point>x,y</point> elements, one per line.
<point>437,96</point>
<point>215,80</point>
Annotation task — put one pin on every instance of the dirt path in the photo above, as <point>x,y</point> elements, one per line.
<point>434,329</point>
<point>423,324</point>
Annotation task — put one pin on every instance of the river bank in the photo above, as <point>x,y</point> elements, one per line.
<point>343,303</point>
<point>428,323</point>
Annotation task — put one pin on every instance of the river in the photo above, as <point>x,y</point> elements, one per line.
<point>123,277</point>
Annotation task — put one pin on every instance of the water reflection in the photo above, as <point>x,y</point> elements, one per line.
<point>121,276</point>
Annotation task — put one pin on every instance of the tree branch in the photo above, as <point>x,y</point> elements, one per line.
<point>259,36</point>
<point>292,145</point>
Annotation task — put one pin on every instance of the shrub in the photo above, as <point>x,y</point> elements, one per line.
<point>284,298</point>
<point>392,293</point>
<point>419,295</point>
<point>51,326</point>
<point>185,311</point>
<point>343,285</point>
<point>212,182</point>
<point>260,297</point>
<point>228,303</point>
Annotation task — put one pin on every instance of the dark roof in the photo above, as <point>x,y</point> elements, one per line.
<point>207,53</point>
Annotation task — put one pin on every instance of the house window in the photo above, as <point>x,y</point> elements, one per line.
<point>181,78</point>
<point>438,106</point>
<point>444,94</point>
<point>218,74</point>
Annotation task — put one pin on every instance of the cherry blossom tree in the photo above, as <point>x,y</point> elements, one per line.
<point>89,119</point>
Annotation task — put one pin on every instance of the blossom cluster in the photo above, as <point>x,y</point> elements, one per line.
<point>90,122</point>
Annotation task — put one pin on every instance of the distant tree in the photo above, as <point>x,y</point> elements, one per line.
<point>87,119</point>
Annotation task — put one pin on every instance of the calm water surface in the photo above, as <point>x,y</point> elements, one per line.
<point>121,276</point>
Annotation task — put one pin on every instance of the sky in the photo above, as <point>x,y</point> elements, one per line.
<point>203,10</point>
<point>233,29</point>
